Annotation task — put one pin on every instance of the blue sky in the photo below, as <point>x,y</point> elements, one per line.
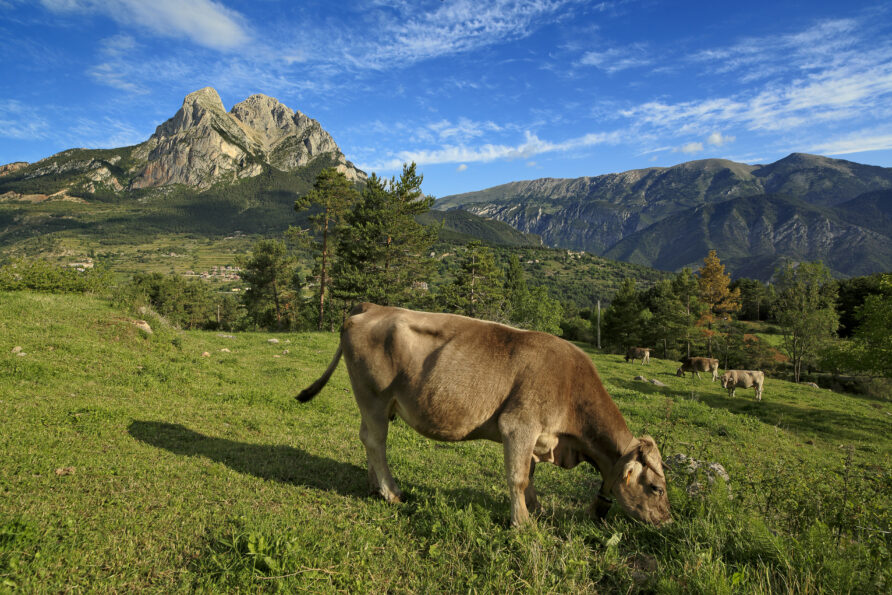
<point>477,93</point>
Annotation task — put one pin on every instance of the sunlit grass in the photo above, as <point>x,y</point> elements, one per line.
<point>182,472</point>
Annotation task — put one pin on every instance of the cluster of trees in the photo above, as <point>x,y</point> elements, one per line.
<point>369,246</point>
<point>701,313</point>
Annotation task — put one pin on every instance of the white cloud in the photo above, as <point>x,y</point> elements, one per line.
<point>417,33</point>
<point>690,148</point>
<point>462,167</point>
<point>204,22</point>
<point>465,129</point>
<point>717,139</point>
<point>855,143</point>
<point>531,146</point>
<point>617,59</point>
<point>21,122</point>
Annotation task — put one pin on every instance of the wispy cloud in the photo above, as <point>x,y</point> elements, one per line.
<point>485,153</point>
<point>863,140</point>
<point>204,22</point>
<point>616,59</point>
<point>21,122</point>
<point>416,33</point>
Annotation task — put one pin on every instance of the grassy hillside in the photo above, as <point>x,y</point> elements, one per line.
<point>133,463</point>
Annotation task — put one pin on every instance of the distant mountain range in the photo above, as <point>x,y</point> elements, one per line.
<point>209,171</point>
<point>800,208</point>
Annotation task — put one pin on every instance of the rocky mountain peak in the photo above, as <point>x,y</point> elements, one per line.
<point>203,144</point>
<point>198,107</point>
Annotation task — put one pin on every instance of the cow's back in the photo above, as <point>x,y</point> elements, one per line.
<point>449,376</point>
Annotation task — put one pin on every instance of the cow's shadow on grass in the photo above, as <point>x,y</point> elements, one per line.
<point>288,464</point>
<point>282,463</point>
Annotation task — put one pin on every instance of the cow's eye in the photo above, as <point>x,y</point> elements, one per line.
<point>656,489</point>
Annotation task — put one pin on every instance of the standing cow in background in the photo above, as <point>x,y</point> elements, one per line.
<point>744,379</point>
<point>455,378</point>
<point>642,353</point>
<point>695,365</point>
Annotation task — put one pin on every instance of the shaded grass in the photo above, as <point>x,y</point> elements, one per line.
<point>196,473</point>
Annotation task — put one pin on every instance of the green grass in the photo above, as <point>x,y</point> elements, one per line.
<point>195,473</point>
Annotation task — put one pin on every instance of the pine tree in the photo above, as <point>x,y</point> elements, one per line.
<point>715,294</point>
<point>334,194</point>
<point>623,319</point>
<point>477,290</point>
<point>669,321</point>
<point>714,287</point>
<point>516,291</point>
<point>381,247</point>
<point>268,271</point>
<point>686,288</point>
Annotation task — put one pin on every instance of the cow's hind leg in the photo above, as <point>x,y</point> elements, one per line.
<point>373,433</point>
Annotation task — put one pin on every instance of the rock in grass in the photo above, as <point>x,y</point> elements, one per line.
<point>17,349</point>
<point>656,382</point>
<point>143,326</point>
<point>641,378</point>
<point>272,341</point>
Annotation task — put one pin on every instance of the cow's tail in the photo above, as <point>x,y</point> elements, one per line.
<point>312,390</point>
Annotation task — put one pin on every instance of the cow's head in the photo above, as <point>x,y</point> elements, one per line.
<point>726,379</point>
<point>640,487</point>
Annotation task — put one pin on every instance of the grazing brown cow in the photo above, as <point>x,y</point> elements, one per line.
<point>695,365</point>
<point>642,353</point>
<point>455,378</point>
<point>744,379</point>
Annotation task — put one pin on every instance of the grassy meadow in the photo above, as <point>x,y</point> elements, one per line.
<point>132,462</point>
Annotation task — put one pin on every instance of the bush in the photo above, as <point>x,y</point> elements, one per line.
<point>185,303</point>
<point>40,275</point>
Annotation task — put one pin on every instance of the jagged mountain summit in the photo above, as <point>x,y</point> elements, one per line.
<point>664,216</point>
<point>201,145</point>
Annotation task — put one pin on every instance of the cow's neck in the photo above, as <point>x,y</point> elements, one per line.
<point>606,438</point>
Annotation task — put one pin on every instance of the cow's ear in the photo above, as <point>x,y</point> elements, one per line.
<point>649,454</point>
<point>629,474</point>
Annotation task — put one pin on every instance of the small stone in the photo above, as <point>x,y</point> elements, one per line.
<point>656,382</point>
<point>225,350</point>
<point>206,354</point>
<point>641,378</point>
<point>143,326</point>
<point>286,352</point>
<point>272,341</point>
<point>65,471</point>
<point>17,349</point>
<point>21,354</point>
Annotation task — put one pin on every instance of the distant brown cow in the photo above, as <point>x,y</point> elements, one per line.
<point>695,365</point>
<point>642,353</point>
<point>455,378</point>
<point>744,379</point>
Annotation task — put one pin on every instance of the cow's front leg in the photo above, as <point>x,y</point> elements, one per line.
<point>529,494</point>
<point>518,442</point>
<point>373,433</point>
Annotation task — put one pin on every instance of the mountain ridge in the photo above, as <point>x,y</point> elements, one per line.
<point>599,213</point>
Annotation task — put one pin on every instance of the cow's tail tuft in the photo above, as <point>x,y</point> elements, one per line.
<point>312,390</point>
